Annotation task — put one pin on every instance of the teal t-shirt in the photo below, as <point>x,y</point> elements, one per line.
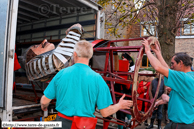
<point>181,102</point>
<point>77,90</point>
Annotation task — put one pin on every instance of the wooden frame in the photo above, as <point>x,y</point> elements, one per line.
<point>190,27</point>
<point>149,26</point>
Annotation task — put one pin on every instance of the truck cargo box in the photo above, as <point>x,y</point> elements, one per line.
<point>25,23</point>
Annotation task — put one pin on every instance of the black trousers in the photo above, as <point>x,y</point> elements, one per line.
<point>157,112</point>
<point>66,124</point>
<point>173,125</point>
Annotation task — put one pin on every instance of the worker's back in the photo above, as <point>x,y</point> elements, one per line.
<point>78,90</point>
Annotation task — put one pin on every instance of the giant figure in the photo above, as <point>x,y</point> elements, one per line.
<point>43,61</point>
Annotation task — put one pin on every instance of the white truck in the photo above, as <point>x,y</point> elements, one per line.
<point>24,23</point>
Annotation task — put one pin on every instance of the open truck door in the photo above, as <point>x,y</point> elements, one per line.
<point>8,24</point>
<point>25,23</point>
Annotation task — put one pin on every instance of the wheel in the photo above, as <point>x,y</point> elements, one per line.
<point>138,115</point>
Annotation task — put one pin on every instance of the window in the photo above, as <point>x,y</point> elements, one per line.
<point>150,28</point>
<point>145,62</point>
<point>188,29</point>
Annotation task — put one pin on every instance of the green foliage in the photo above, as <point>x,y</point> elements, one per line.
<point>149,69</point>
<point>192,16</point>
<point>103,3</point>
<point>121,13</point>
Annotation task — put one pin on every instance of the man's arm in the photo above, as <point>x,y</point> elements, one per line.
<point>164,100</point>
<point>160,102</point>
<point>156,49</point>
<point>156,64</point>
<point>161,59</point>
<point>44,102</point>
<point>122,104</point>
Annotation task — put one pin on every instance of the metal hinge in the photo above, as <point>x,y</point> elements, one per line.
<point>11,53</point>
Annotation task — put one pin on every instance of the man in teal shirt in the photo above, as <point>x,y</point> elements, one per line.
<point>78,89</point>
<point>181,81</point>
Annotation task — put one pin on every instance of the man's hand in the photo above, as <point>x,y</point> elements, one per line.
<point>164,100</point>
<point>44,102</point>
<point>157,104</point>
<point>168,89</point>
<point>44,107</point>
<point>122,104</point>
<point>155,47</point>
<point>125,104</point>
<point>145,43</point>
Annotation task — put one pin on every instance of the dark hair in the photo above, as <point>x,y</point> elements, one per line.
<point>26,56</point>
<point>186,59</point>
<point>125,55</point>
<point>29,55</point>
<point>128,57</point>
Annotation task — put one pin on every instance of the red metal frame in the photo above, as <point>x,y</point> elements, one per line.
<point>115,76</point>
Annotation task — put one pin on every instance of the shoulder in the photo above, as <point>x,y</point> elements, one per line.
<point>181,74</point>
<point>98,76</point>
<point>191,73</point>
<point>175,73</point>
<point>65,70</point>
<point>99,80</point>
<point>93,73</point>
<point>190,76</point>
<point>68,68</point>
